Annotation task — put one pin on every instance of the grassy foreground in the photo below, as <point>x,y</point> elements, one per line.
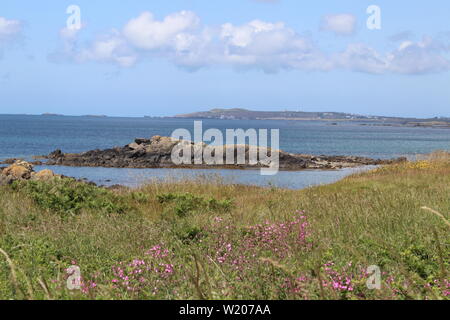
<point>206,240</point>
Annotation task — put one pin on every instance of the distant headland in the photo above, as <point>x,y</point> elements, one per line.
<point>244,114</point>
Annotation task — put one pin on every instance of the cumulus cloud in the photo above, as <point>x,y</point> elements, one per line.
<point>145,32</point>
<point>362,58</point>
<point>110,48</point>
<point>340,24</point>
<point>268,46</point>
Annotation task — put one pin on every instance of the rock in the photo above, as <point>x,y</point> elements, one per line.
<point>136,146</point>
<point>55,154</point>
<point>157,151</point>
<point>44,175</point>
<point>142,141</point>
<point>161,145</point>
<point>10,161</point>
<point>20,170</point>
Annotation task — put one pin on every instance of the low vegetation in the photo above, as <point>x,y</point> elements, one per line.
<point>208,240</point>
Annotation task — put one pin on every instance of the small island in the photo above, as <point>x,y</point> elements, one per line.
<point>156,153</point>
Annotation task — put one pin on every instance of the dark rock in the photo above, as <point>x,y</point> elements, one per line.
<point>156,153</point>
<point>10,161</point>
<point>142,141</point>
<point>55,154</point>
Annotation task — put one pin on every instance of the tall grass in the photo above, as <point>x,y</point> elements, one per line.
<point>209,240</point>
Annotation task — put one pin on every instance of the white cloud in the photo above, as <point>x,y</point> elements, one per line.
<point>340,24</point>
<point>271,47</point>
<point>425,56</point>
<point>9,29</point>
<point>242,36</point>
<point>422,57</point>
<point>111,48</point>
<point>69,33</point>
<point>145,32</point>
<point>257,44</point>
<point>362,58</point>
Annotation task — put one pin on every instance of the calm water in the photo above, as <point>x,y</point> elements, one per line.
<point>136,177</point>
<point>25,136</point>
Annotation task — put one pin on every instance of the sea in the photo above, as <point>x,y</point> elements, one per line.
<point>25,136</point>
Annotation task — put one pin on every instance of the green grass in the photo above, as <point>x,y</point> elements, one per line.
<point>200,240</point>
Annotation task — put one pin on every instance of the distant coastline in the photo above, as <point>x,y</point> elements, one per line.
<point>85,115</point>
<point>244,114</point>
<point>334,118</point>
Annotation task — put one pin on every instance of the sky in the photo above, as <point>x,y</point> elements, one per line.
<point>162,58</point>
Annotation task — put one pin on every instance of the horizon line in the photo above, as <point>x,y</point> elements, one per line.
<point>48,114</point>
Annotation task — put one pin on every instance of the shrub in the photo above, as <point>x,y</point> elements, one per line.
<point>67,196</point>
<point>185,203</point>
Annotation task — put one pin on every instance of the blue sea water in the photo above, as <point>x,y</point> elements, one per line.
<point>23,136</point>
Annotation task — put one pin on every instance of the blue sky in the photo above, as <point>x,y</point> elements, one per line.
<point>167,57</point>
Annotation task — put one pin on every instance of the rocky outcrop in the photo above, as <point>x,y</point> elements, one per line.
<point>44,175</point>
<point>156,153</point>
<point>19,170</point>
<point>22,170</point>
<point>14,160</point>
